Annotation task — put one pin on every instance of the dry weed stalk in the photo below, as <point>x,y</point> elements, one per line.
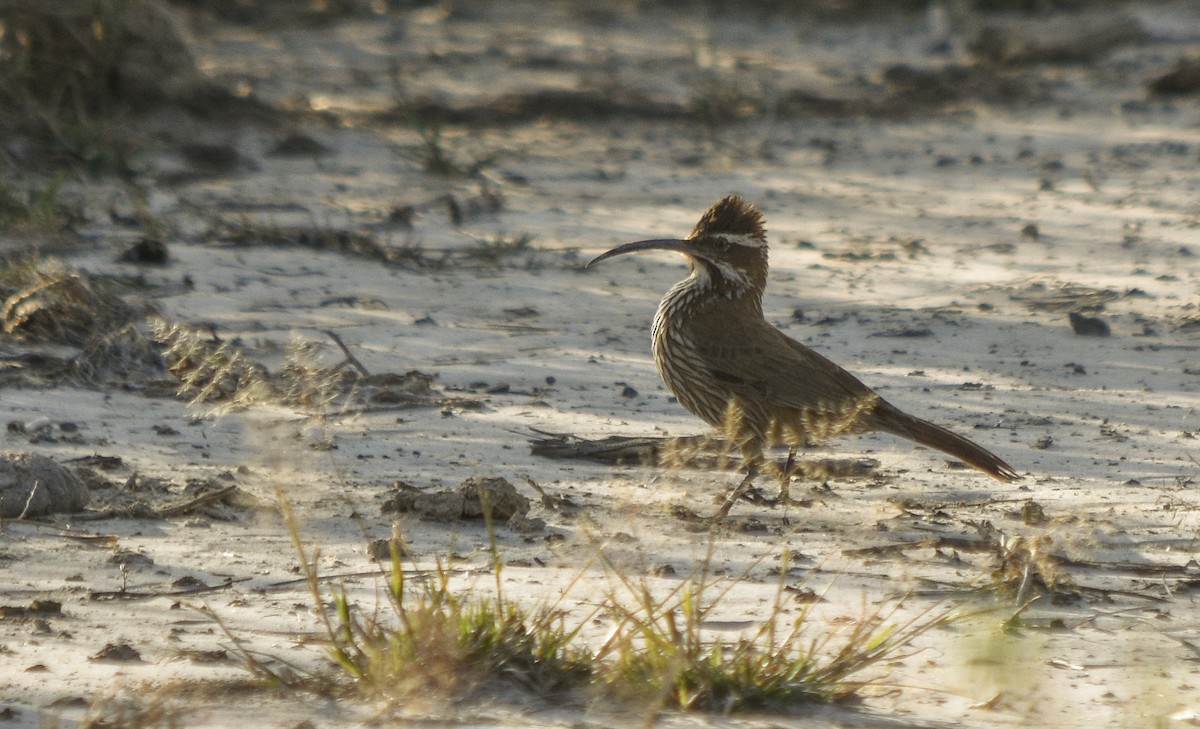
<point>214,374</point>
<point>221,377</point>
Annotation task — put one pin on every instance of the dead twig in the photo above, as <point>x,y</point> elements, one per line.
<point>350,358</point>
<point>555,502</point>
<point>351,575</point>
<point>964,544</point>
<point>129,595</point>
<point>167,512</point>
<point>207,498</point>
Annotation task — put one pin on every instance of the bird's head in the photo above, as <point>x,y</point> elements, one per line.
<point>727,250</point>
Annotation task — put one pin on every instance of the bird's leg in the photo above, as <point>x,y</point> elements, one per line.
<point>742,490</point>
<point>785,477</point>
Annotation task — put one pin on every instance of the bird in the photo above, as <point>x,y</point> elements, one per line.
<point>725,363</point>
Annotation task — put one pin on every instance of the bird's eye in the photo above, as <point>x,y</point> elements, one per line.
<point>724,244</point>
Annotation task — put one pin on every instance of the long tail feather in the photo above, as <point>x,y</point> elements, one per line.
<point>894,421</point>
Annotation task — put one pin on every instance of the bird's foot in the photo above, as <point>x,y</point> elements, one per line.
<point>727,501</point>
<point>729,498</point>
<point>783,499</point>
<point>755,495</point>
<point>747,491</point>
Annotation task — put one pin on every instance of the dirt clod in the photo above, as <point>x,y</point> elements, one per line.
<point>470,500</point>
<point>118,653</point>
<point>33,486</point>
<point>1088,326</point>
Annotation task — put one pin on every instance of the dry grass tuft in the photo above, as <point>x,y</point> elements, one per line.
<point>220,376</point>
<point>66,307</point>
<point>659,653</point>
<point>1028,570</point>
<point>212,373</point>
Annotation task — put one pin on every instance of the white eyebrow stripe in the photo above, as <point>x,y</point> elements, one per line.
<point>739,239</point>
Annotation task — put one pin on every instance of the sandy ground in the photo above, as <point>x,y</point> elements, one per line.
<point>936,254</point>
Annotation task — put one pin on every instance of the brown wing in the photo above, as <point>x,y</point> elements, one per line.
<point>814,398</point>
<point>755,360</point>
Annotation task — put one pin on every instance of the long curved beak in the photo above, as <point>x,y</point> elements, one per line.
<point>658,244</point>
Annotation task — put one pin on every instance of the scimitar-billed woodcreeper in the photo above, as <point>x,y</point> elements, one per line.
<point>727,365</point>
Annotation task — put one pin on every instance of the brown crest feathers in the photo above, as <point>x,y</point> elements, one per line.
<point>734,216</point>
